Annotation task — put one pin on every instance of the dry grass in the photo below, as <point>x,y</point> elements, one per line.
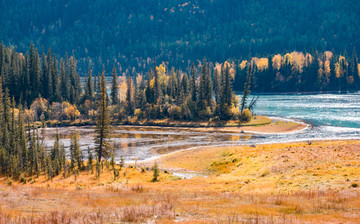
<point>280,183</point>
<point>276,168</point>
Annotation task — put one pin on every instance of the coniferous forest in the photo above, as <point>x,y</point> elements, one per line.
<point>51,87</point>
<point>178,32</point>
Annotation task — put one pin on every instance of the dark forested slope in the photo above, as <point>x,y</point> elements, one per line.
<point>178,31</point>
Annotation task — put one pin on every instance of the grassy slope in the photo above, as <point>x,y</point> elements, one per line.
<point>279,183</point>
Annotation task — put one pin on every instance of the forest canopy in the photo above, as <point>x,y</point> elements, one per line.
<point>178,32</point>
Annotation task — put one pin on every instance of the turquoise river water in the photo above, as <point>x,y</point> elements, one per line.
<point>330,116</point>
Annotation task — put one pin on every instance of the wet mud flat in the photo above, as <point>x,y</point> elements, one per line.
<point>147,142</point>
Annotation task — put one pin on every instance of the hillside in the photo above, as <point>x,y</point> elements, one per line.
<point>178,31</point>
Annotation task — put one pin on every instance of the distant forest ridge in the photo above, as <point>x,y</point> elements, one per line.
<point>30,75</point>
<point>134,33</point>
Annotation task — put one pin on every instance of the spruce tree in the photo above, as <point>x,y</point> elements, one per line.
<point>22,139</point>
<point>202,104</point>
<point>88,86</point>
<point>129,96</point>
<point>246,91</point>
<point>217,85</point>
<point>34,72</point>
<point>156,172</point>
<point>90,160</point>
<point>75,152</point>
<point>149,91</point>
<point>64,83</point>
<point>114,88</point>
<point>193,88</point>
<point>103,123</point>
<point>56,91</point>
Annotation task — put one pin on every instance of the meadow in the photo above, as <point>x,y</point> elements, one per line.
<point>305,182</point>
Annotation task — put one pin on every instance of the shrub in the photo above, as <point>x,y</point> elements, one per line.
<point>175,112</point>
<point>155,172</point>
<point>216,118</point>
<point>138,113</point>
<point>205,114</point>
<point>246,115</point>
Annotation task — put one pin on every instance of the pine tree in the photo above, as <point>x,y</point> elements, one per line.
<point>226,94</point>
<point>103,123</point>
<point>88,87</point>
<point>55,150</point>
<point>246,92</point>
<point>55,80</point>
<point>217,85</point>
<point>64,83</point>
<point>122,162</point>
<point>73,82</point>
<point>49,76</point>
<point>184,88</point>
<point>90,160</point>
<point>34,72</point>
<point>193,88</point>
<point>353,69</point>
<point>114,88</point>
<point>23,157</point>
<point>62,158</point>
<point>129,96</point>
<point>112,163</point>
<point>202,104</point>
<point>149,91</point>
<point>270,76</point>
<point>155,172</point>
<point>75,152</point>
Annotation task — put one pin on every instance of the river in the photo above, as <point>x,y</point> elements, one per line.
<point>332,116</point>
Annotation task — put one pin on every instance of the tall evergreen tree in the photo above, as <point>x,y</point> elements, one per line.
<point>129,104</point>
<point>246,91</point>
<point>114,88</point>
<point>217,84</point>
<point>75,152</point>
<point>193,87</point>
<point>64,83</point>
<point>34,72</point>
<point>89,88</point>
<point>103,123</point>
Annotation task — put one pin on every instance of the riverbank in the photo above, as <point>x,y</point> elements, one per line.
<point>259,124</point>
<point>302,182</point>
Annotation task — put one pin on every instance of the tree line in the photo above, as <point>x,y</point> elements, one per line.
<point>53,89</point>
<point>302,72</point>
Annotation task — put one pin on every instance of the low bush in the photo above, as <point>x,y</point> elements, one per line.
<point>246,115</point>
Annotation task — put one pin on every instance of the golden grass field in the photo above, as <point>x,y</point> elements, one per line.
<point>277,183</point>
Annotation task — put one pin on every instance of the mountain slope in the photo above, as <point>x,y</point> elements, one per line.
<point>177,31</point>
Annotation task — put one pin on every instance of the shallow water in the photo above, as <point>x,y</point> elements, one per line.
<point>332,116</point>
<point>339,110</point>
